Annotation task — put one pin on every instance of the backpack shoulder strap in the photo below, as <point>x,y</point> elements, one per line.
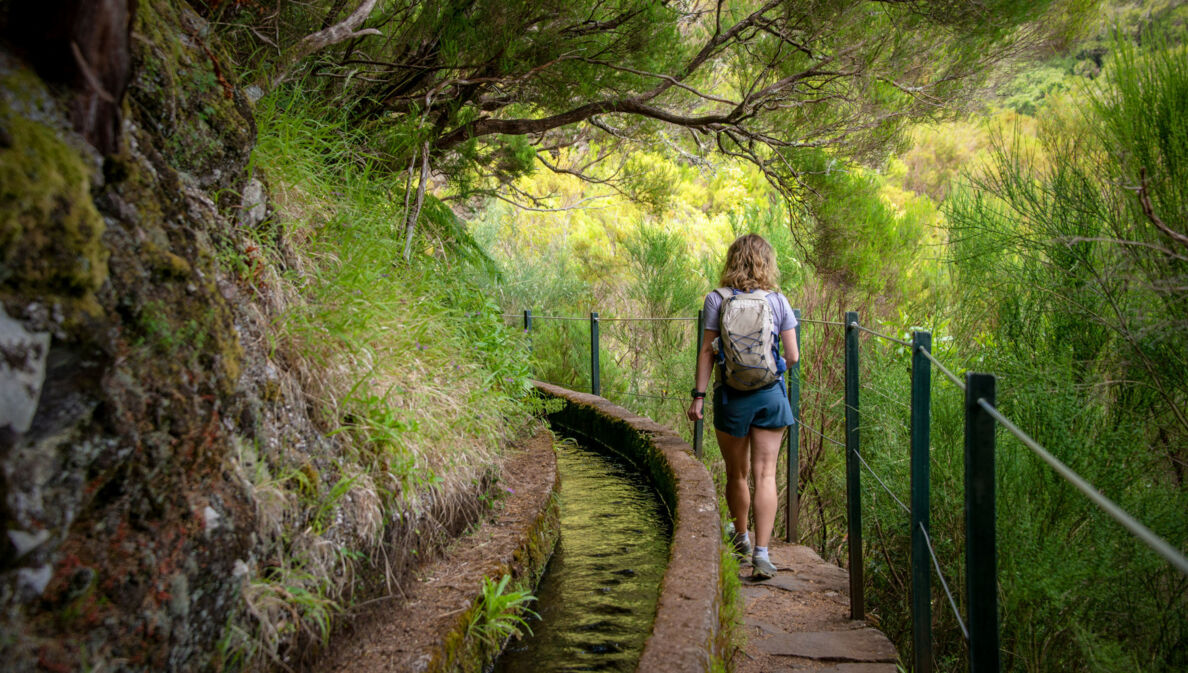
<point>725,292</point>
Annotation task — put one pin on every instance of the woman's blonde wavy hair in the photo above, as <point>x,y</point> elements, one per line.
<point>750,265</point>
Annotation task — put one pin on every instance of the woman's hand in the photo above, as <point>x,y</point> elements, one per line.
<point>695,409</point>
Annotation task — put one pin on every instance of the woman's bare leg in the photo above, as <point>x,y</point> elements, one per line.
<point>738,497</point>
<point>765,453</point>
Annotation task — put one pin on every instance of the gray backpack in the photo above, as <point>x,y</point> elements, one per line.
<point>746,341</point>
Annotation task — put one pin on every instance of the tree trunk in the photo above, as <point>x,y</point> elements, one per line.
<point>86,45</point>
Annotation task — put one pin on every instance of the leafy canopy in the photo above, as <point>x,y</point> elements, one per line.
<point>761,81</point>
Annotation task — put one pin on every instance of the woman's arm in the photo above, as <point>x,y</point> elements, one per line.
<point>705,360</point>
<point>791,351</point>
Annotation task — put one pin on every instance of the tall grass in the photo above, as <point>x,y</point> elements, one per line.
<point>408,370</point>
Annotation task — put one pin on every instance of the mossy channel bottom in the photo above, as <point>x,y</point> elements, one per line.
<point>597,599</point>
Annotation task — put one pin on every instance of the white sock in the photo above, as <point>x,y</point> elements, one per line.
<point>745,539</point>
<point>761,552</point>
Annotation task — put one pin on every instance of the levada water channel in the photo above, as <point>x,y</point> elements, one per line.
<point>597,599</point>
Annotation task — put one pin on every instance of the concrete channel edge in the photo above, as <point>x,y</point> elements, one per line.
<point>686,632</point>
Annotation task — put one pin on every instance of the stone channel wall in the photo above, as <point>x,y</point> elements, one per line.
<point>460,649</point>
<point>685,634</point>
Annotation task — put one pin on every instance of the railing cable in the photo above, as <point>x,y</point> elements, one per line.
<point>881,483</point>
<point>686,319</point>
<point>601,318</point>
<point>817,433</point>
<point>823,322</point>
<point>944,584</point>
<point>583,318</point>
<point>647,395</point>
<point>944,370</point>
<point>1136,528</point>
<point>880,335</point>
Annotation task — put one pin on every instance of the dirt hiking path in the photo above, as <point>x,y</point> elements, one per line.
<point>799,620</point>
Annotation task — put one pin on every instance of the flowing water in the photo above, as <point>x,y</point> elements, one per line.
<point>598,596</point>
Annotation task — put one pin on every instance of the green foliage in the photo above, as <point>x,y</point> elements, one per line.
<point>1069,278</point>
<point>1091,268</point>
<point>859,240</point>
<point>1028,90</point>
<point>663,284</point>
<point>500,614</point>
<point>544,406</point>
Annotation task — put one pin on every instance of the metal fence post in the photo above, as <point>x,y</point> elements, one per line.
<point>792,516</point>
<point>981,561</point>
<point>853,476</point>
<point>699,424</point>
<point>528,328</point>
<point>595,384</point>
<point>921,572</point>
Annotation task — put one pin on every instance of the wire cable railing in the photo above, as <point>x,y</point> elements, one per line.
<point>868,330</point>
<point>555,317</point>
<point>680,318</point>
<point>604,318</point>
<point>820,434</point>
<point>944,370</point>
<point>833,323</point>
<point>1146,535</point>
<point>945,585</point>
<point>652,396</point>
<point>882,483</point>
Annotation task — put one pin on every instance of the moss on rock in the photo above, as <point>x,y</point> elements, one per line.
<point>50,231</point>
<point>180,75</point>
<point>124,470</point>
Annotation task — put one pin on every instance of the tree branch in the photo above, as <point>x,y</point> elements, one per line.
<point>668,78</point>
<point>339,32</point>
<point>416,212</point>
<point>575,206</point>
<point>486,125</point>
<point>1149,210</point>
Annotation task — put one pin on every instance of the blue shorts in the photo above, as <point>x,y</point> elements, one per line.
<point>737,411</point>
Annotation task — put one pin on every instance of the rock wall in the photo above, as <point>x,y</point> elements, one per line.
<point>136,386</point>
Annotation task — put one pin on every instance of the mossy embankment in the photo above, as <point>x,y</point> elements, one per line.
<point>454,618</point>
<point>250,413</point>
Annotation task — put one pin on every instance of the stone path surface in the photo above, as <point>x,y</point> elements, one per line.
<point>799,621</point>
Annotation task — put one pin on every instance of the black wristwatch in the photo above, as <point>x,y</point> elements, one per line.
<point>698,394</point>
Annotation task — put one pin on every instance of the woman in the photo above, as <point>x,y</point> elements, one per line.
<point>749,424</point>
